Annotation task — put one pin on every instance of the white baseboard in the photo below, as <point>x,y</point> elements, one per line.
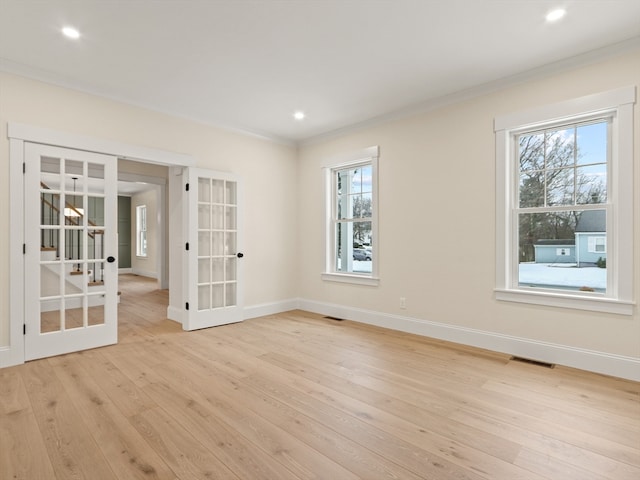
<point>593,361</point>
<point>122,271</point>
<point>144,273</point>
<point>11,356</point>
<point>271,308</point>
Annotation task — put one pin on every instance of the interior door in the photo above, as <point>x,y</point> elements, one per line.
<point>70,246</point>
<point>213,249</point>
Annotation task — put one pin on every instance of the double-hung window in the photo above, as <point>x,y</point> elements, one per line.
<point>141,230</point>
<point>564,204</point>
<point>351,218</point>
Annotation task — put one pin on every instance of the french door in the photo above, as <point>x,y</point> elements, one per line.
<point>71,274</point>
<point>213,277</point>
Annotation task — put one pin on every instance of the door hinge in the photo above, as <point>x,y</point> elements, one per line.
<point>24,328</point>
<point>186,187</point>
<point>24,167</point>
<point>186,305</point>
<point>24,248</point>
<point>186,246</point>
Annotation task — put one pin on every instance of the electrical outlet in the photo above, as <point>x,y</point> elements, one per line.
<point>403,303</point>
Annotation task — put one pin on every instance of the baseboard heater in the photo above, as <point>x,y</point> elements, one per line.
<point>532,362</point>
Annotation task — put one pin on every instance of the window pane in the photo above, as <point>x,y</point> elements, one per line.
<point>560,148</point>
<point>560,186</point>
<point>531,152</point>
<point>592,143</point>
<point>554,250</point>
<point>352,256</point>
<point>591,184</point>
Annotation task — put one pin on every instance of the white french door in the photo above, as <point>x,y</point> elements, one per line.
<point>71,274</point>
<point>213,249</point>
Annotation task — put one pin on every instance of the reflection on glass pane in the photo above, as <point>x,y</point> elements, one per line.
<point>217,296</point>
<point>560,186</point>
<point>95,313</point>
<point>204,272</point>
<point>49,242</point>
<point>231,213</point>
<point>204,244</point>
<point>557,250</point>
<point>204,216</point>
<point>217,191</point>
<point>74,175</point>
<point>204,297</point>
<point>230,295</point>
<point>591,184</point>
<point>218,244</point>
<point>230,243</point>
<point>49,208</point>
<point>74,313</point>
<point>96,211</point>
<point>353,240</point>
<point>74,209</point>
<point>231,193</point>
<point>217,270</point>
<point>231,265</point>
<point>50,316</point>
<point>560,148</point>
<point>50,165</point>
<point>531,189</point>
<point>204,190</point>
<point>95,244</point>
<point>343,206</point>
<point>531,152</point>
<point>50,279</point>
<point>74,239</point>
<point>74,279</point>
<point>96,170</point>
<point>592,143</point>
<point>217,220</point>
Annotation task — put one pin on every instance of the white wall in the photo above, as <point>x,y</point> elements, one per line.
<point>437,222</point>
<point>268,170</point>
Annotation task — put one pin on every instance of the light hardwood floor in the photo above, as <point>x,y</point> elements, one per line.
<point>298,396</point>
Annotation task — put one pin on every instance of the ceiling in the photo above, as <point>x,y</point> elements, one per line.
<point>248,65</point>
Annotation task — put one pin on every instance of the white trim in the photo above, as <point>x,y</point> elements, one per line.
<point>350,278</point>
<point>144,273</point>
<point>590,360</point>
<point>124,271</point>
<point>47,136</point>
<point>618,104</point>
<point>175,314</point>
<point>270,308</point>
<point>366,156</point>
<point>14,353</point>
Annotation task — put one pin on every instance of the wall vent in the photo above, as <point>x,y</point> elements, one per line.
<point>532,362</point>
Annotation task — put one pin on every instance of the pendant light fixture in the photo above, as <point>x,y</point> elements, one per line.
<point>73,211</point>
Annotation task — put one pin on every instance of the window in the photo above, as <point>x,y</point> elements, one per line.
<point>351,223</point>
<point>564,192</point>
<point>141,230</point>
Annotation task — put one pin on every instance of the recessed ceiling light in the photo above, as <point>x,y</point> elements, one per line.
<point>555,15</point>
<point>71,32</point>
<point>299,115</point>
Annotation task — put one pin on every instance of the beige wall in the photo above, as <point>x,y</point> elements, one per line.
<point>267,169</point>
<point>437,217</point>
<point>147,266</point>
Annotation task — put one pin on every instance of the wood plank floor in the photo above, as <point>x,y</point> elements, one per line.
<point>298,396</point>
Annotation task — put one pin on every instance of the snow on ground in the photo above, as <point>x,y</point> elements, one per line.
<point>567,275</point>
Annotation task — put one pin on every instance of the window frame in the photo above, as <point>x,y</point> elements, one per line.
<point>368,156</point>
<point>141,231</point>
<point>617,104</point>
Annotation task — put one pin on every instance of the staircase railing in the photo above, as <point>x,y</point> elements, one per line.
<point>50,215</point>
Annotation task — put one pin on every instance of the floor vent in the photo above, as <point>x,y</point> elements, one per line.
<point>532,362</point>
<point>334,318</point>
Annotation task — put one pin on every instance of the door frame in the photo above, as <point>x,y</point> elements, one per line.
<point>18,134</point>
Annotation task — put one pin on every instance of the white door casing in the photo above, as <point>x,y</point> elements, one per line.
<point>71,272</point>
<point>213,249</point>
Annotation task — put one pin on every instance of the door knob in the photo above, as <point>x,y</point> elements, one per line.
<point>240,255</point>
<point>111,259</point>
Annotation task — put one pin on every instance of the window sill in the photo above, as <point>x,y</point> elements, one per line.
<point>351,278</point>
<point>578,302</point>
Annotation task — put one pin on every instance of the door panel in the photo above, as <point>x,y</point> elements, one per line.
<point>212,270</point>
<point>70,230</point>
